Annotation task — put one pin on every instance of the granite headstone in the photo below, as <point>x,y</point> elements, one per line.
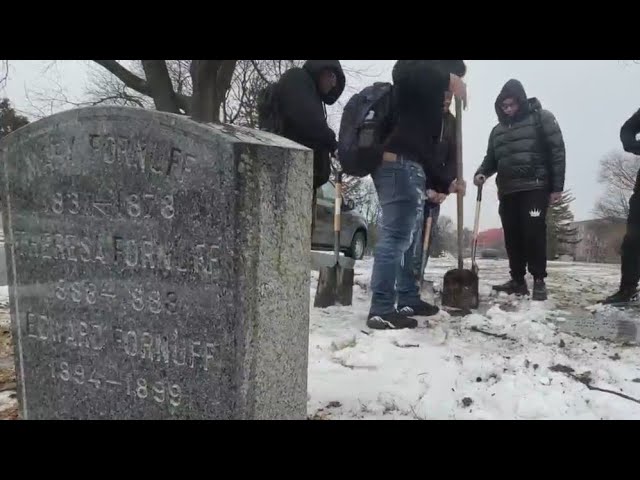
<point>158,267</point>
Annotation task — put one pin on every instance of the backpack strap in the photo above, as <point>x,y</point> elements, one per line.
<point>543,144</point>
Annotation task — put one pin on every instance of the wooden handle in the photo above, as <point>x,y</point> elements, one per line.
<point>338,208</point>
<point>459,177</point>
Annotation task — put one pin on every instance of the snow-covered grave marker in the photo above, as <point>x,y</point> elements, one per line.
<point>158,268</point>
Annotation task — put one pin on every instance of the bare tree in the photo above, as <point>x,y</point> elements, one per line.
<point>4,73</point>
<point>618,171</point>
<point>249,78</point>
<point>228,88</point>
<point>165,82</point>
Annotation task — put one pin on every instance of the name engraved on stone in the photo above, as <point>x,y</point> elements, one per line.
<point>201,259</point>
<point>48,155</point>
<point>141,155</point>
<point>139,388</point>
<point>110,205</point>
<point>154,347</point>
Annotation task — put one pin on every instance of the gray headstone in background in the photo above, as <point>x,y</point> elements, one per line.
<point>620,325</point>
<point>158,267</point>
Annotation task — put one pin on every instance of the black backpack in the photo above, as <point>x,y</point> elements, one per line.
<point>366,122</point>
<point>269,119</point>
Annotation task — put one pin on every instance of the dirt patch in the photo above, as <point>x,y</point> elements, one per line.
<point>6,342</point>
<point>7,374</point>
<point>9,414</point>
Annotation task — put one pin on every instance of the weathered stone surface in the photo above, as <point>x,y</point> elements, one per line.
<point>158,267</point>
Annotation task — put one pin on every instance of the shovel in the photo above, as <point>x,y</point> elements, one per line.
<point>425,248</point>
<point>335,283</point>
<point>460,287</point>
<point>476,227</point>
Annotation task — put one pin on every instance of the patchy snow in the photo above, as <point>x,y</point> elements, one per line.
<point>507,361</point>
<point>5,320</point>
<point>6,401</point>
<point>491,365</point>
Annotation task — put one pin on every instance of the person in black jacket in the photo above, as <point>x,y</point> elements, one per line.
<point>526,150</point>
<point>408,162</point>
<point>631,243</point>
<point>446,162</point>
<point>300,98</point>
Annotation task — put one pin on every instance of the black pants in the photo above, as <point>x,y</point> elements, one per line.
<point>523,216</point>
<point>631,242</point>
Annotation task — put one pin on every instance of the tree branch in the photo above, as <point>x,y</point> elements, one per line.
<point>4,73</point>
<point>223,79</point>
<point>129,79</point>
<point>259,72</point>
<point>159,82</point>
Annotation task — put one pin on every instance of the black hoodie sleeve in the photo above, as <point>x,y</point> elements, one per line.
<point>489,165</point>
<point>557,148</point>
<point>628,134</point>
<point>302,108</point>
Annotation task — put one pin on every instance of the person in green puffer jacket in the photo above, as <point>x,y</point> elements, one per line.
<point>527,151</point>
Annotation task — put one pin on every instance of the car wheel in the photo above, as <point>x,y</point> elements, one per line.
<point>358,245</point>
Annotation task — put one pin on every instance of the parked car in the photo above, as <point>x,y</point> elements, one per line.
<point>489,253</point>
<point>353,228</point>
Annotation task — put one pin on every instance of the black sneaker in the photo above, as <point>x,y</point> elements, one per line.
<point>391,321</point>
<point>517,287</point>
<point>539,290</point>
<point>423,309</point>
<point>624,295</point>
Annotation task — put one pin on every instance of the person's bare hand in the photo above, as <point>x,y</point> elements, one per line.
<point>458,186</point>
<point>479,180</point>
<point>432,196</point>
<point>458,88</point>
<point>441,198</point>
<point>555,197</point>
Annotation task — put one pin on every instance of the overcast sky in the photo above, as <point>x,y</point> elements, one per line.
<point>590,99</point>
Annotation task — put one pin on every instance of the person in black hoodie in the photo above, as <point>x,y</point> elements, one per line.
<point>446,158</point>
<point>409,159</point>
<point>526,150</point>
<point>631,243</point>
<point>300,98</point>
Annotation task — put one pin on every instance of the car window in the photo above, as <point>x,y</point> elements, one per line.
<point>328,191</point>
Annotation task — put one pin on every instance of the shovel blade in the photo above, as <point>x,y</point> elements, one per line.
<point>460,290</point>
<point>335,287</point>
<point>327,259</point>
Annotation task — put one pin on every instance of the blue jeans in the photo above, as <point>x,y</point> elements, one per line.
<point>435,213</point>
<point>401,192</point>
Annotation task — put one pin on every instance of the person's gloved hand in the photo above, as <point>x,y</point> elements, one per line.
<point>479,179</point>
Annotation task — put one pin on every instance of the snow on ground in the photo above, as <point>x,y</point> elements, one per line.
<point>6,400</point>
<point>449,371</point>
<point>4,302</point>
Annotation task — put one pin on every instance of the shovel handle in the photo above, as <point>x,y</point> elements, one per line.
<point>459,177</point>
<point>476,227</point>
<point>425,247</point>
<point>337,215</point>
